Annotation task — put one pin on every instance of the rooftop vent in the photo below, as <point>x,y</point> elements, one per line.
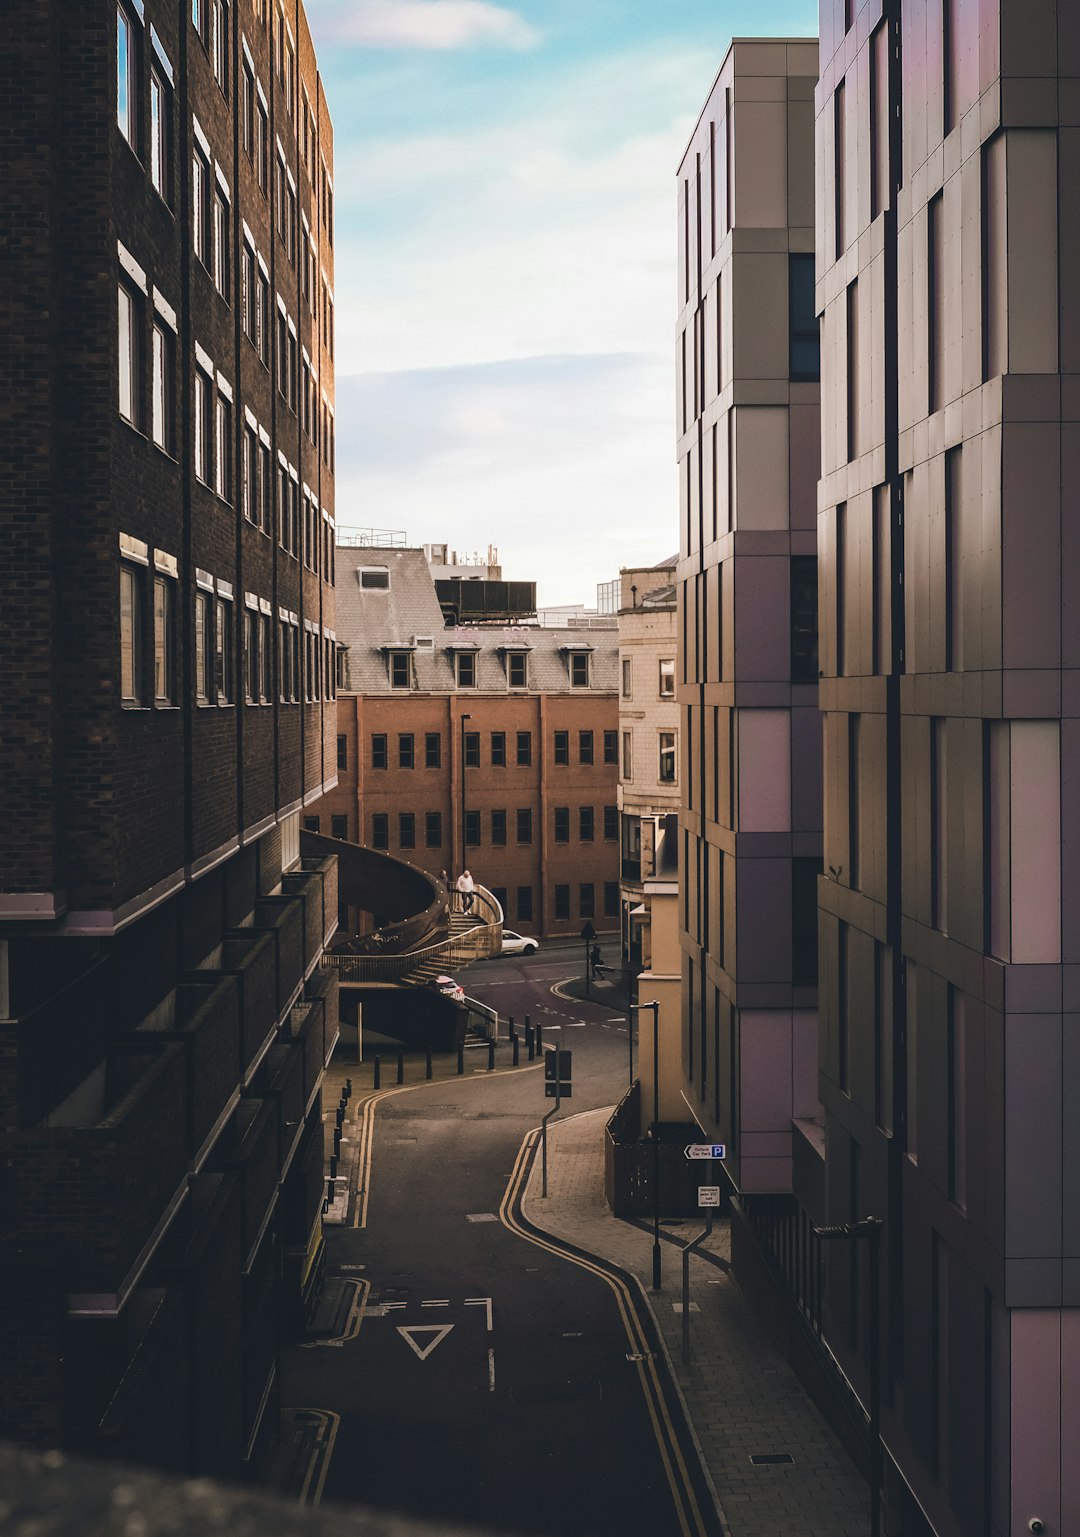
<point>374,576</point>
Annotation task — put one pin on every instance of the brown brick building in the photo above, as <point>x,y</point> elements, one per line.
<point>166,444</point>
<point>532,713</point>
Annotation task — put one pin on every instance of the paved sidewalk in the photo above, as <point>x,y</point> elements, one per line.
<point>742,1397</point>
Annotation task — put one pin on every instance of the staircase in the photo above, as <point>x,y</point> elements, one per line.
<point>434,966</point>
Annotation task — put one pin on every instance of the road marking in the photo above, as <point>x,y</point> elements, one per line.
<point>480,1216</point>
<point>361,1290</point>
<point>389,1305</point>
<point>437,1302</point>
<point>491,1369</point>
<point>481,1302</point>
<point>311,1490</point>
<point>576,1336</point>
<point>683,1494</point>
<point>438,1333</point>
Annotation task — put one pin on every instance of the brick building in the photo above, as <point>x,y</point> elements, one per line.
<point>530,712</point>
<point>167,609</point>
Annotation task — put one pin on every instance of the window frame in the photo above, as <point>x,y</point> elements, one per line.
<point>133,643</point>
<point>166,694</point>
<point>667,748</point>
<point>380,750</point>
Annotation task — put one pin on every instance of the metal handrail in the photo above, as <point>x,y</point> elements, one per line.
<point>484,938</point>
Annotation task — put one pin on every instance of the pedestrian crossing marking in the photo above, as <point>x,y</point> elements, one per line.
<point>438,1333</point>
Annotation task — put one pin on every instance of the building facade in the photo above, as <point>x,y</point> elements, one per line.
<point>483,745</point>
<point>748,458</point>
<point>648,738</point>
<point>168,612</point>
<point>946,150</point>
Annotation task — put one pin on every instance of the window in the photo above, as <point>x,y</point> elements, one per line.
<point>127,78</point>
<point>400,669</point>
<point>219,43</point>
<point>957,1074</point>
<point>252,639</point>
<point>164,640</point>
<point>262,145</point>
<point>223,652</point>
<point>380,830</point>
<point>204,445</point>
<point>433,829</point>
<point>586,900</point>
<point>611,899</point>
<point>935,302</point>
<point>339,828</point>
<point>160,136</point>
<point>498,749</point>
<point>200,207</point>
<point>342,752</point>
<point>405,749</point>
<point>432,750</point>
<point>562,824</point>
<point>585,747</point>
<point>517,669</point>
<point>131,635</point>
<point>524,825</point>
<point>579,669</point>
<point>407,829</point>
<point>667,757</point>
<point>499,893</point>
<point>611,822</point>
<point>472,749</point>
<point>221,243</point>
<point>130,311</point>
<point>312,824</point>
<point>562,902</point>
<point>667,678</point>
<point>266,624</point>
<point>249,474</point>
<point>524,904</point>
<point>162,395</point>
<point>628,755</point>
<point>498,827</point>
<point>203,669</point>
<point>586,823</point>
<point>223,448</point>
<point>379,756</point>
<point>524,749</point>
<point>562,747</point>
<point>804,346</point>
<point>627,678</point>
<point>804,618</point>
<point>466,669</point>
<point>247,110</point>
<point>262,316</point>
<point>472,827</point>
<point>839,169</point>
<point>804,921</point>
<point>611,747</point>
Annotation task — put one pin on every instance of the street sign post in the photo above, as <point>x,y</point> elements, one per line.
<point>705,1150</point>
<point>558,1074</point>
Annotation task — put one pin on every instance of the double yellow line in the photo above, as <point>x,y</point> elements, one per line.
<point>691,1521</point>
<point>328,1424</point>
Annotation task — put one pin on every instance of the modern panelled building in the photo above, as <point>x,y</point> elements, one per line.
<point>748,459</point>
<point>167,602</point>
<point>648,740</point>
<point>487,745</point>
<point>947,164</point>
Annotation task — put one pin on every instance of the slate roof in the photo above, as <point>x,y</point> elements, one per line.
<point>372,621</point>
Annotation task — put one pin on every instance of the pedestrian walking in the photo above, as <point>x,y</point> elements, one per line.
<point>596,958</point>
<point>466,885</point>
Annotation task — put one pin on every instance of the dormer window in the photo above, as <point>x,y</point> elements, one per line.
<point>517,669</point>
<point>400,669</point>
<point>579,669</point>
<point>466,669</point>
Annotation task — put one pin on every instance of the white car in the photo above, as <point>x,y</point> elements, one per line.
<point>518,944</point>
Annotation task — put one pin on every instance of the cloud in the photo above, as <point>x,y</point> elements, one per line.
<point>565,463</point>
<point>439,25</point>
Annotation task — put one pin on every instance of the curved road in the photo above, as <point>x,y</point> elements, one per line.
<point>490,1380</point>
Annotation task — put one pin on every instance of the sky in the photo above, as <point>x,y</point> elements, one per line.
<point>504,281</point>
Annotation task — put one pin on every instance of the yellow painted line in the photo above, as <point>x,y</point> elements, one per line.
<point>691,1522</point>
<point>311,1490</point>
<point>367,1126</point>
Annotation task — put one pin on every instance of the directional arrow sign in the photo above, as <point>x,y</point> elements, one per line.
<point>705,1150</point>
<point>438,1333</point>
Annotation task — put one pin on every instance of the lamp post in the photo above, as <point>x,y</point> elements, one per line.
<point>870,1229</point>
<point>464,855</point>
<point>657,1262</point>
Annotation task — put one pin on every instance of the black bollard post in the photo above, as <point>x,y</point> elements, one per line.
<point>333,1168</point>
<point>529,1044</point>
<point>539,1035</point>
<point>427,1066</point>
<point>512,1027</point>
<point>401,1067</point>
<point>337,1141</point>
<point>347,1091</point>
<point>491,1055</point>
<point>516,1044</point>
<point>461,1059</point>
<point>339,1117</point>
<point>377,1068</point>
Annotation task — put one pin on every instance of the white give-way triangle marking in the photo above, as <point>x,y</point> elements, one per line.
<point>438,1333</point>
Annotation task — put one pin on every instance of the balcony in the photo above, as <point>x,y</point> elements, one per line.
<point>283,917</point>
<point>203,1016</point>
<point>249,1146</point>
<point>250,955</point>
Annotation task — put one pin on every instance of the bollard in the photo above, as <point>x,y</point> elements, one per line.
<point>401,1067</point>
<point>461,1059</point>
<point>491,1055</point>
<point>516,1044</point>
<point>539,1035</point>
<point>512,1028</point>
<point>377,1069</point>
<point>427,1066</point>
<point>339,1117</point>
<point>347,1091</point>
<point>530,1044</point>
<point>329,1190</point>
<point>337,1141</point>
<point>333,1168</point>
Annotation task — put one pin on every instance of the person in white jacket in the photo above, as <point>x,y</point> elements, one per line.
<point>466,886</point>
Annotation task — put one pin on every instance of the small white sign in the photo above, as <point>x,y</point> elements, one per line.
<point>708,1195</point>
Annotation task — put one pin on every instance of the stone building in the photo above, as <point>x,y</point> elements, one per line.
<point>167,603</point>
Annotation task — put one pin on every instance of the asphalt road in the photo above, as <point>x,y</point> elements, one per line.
<point>490,1379</point>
